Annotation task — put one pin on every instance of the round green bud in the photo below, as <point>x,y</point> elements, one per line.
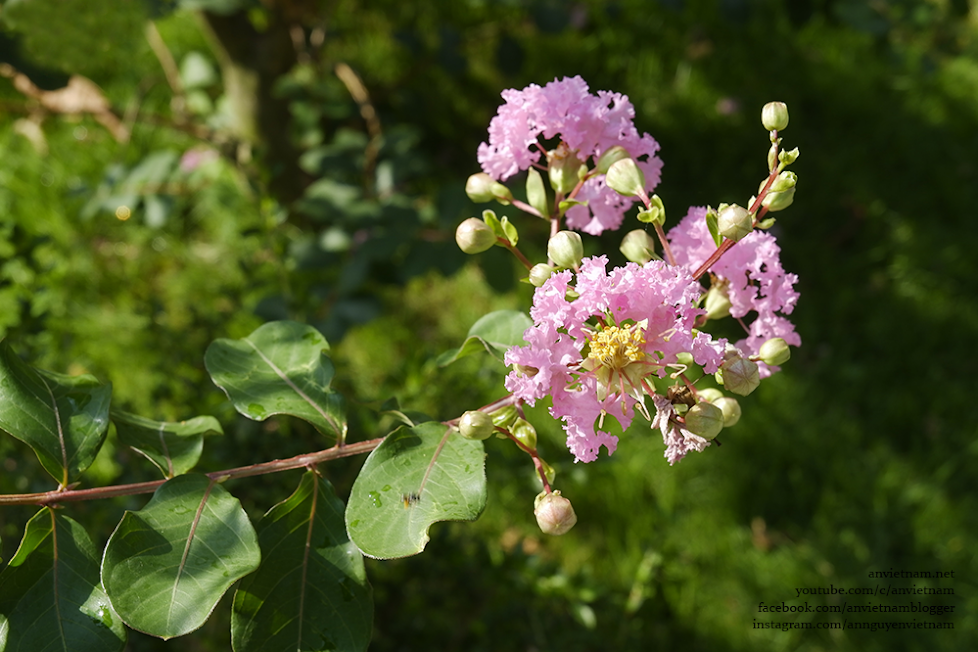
<point>481,188</point>
<point>774,116</point>
<point>525,433</point>
<point>704,419</point>
<point>476,425</point>
<point>563,168</point>
<point>717,302</point>
<point>566,249</point>
<point>626,178</point>
<point>730,408</point>
<point>778,201</point>
<point>474,236</point>
<point>638,247</point>
<point>539,274</point>
<point>555,514</point>
<point>734,222</point>
<point>740,375</point>
<point>611,156</point>
<point>710,394</point>
<point>775,351</point>
<point>504,417</point>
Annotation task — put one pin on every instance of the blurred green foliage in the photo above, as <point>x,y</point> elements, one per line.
<point>857,457</point>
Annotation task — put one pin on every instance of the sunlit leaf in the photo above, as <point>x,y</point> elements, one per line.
<point>167,565</point>
<point>174,447</point>
<point>415,478</point>
<point>51,598</point>
<point>495,333</point>
<point>311,591</point>
<point>281,368</point>
<point>63,418</point>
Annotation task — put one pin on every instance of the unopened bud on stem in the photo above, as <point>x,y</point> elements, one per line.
<point>555,514</point>
<point>474,236</point>
<point>775,351</point>
<point>774,116</point>
<point>481,188</point>
<point>638,247</point>
<point>704,419</point>
<point>566,249</point>
<point>476,425</point>
<point>734,222</point>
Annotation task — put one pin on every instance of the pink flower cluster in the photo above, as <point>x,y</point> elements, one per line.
<point>757,281</point>
<point>590,124</point>
<point>655,302</point>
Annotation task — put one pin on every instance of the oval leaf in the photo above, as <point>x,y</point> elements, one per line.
<point>167,565</point>
<point>173,447</point>
<point>281,368</point>
<point>63,418</point>
<point>310,592</point>
<point>416,477</point>
<point>495,332</point>
<point>51,597</point>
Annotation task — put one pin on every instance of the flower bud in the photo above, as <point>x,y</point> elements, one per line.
<point>730,408</point>
<point>476,425</point>
<point>710,394</point>
<point>638,247</point>
<point>655,213</point>
<point>704,419</point>
<point>734,222</point>
<point>784,181</point>
<point>525,433</point>
<point>740,375</point>
<point>778,201</point>
<point>774,116</point>
<point>555,514</point>
<point>504,417</point>
<point>717,301</point>
<point>539,274</point>
<point>775,351</point>
<point>626,178</point>
<point>611,156</point>
<point>474,236</point>
<point>481,188</point>
<point>563,167</point>
<point>789,157</point>
<point>566,249</point>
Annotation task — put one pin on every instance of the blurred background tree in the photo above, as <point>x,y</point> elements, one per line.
<point>177,171</point>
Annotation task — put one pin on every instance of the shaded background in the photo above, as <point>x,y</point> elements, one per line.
<point>306,160</point>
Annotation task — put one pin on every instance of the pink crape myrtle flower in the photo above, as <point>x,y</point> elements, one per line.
<point>589,124</point>
<point>757,281</point>
<point>594,353</point>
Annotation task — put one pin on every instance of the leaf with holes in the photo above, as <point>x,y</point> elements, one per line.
<point>63,418</point>
<point>311,591</point>
<point>173,447</point>
<point>281,368</point>
<point>416,477</point>
<point>167,565</point>
<point>51,597</point>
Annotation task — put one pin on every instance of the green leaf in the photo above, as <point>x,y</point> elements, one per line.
<point>51,597</point>
<point>712,224</point>
<point>416,477</point>
<point>173,447</point>
<point>166,566</point>
<point>311,591</point>
<point>281,368</point>
<point>63,418</point>
<point>495,333</point>
<point>536,192</point>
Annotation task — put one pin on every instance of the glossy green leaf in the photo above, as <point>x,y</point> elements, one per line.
<point>281,368</point>
<point>167,565</point>
<point>495,333</point>
<point>311,591</point>
<point>174,447</point>
<point>714,227</point>
<point>416,477</point>
<point>63,418</point>
<point>51,598</point>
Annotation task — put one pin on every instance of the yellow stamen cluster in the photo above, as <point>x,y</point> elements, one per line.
<point>615,347</point>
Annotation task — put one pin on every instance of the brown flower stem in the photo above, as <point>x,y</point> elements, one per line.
<point>297,462</point>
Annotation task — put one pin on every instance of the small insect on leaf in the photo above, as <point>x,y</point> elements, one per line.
<point>410,499</point>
